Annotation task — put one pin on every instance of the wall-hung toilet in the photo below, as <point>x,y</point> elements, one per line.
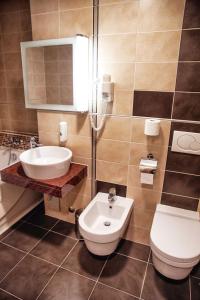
<point>175,241</point>
<point>102,225</point>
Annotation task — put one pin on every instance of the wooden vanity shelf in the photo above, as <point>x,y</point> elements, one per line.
<point>57,187</point>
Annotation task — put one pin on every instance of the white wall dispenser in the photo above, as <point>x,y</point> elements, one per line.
<point>63,132</point>
<point>148,167</point>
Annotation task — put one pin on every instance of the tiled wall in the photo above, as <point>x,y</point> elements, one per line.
<point>139,42</point>
<point>15,26</point>
<point>55,19</point>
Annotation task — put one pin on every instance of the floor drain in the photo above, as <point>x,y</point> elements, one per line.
<point>107,223</point>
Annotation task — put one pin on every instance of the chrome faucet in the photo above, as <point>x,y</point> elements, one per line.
<point>111,195</point>
<point>33,143</point>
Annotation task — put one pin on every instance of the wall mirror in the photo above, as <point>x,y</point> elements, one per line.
<point>55,74</point>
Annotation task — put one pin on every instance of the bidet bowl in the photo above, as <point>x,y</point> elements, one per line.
<point>47,162</point>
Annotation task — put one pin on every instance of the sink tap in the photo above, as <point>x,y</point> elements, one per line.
<point>33,143</point>
<point>111,195</point>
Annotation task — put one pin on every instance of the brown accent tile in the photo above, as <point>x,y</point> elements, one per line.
<point>12,61</point>
<point>165,16</point>
<point>158,46</point>
<point>11,42</point>
<point>104,292</point>
<point>124,273</point>
<point>81,20</point>
<point>192,14</point>
<point>179,201</point>
<point>83,262</point>
<point>186,106</point>
<point>66,285</point>
<point>190,45</point>
<point>104,187</point>
<point>43,6</point>
<point>45,26</point>
<point>152,104</point>
<point>157,287</point>
<point>155,76</point>
<point>133,250</point>
<point>65,228</point>
<point>11,23</point>
<point>188,77</point>
<point>181,184</point>
<point>195,288</point>
<point>183,162</point>
<point>9,257</point>
<point>25,237</point>
<point>53,248</point>
<point>119,18</point>
<point>28,278</point>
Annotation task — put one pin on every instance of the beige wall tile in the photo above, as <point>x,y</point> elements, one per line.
<point>78,124</point>
<point>142,218</point>
<point>43,6</point>
<point>71,4</point>
<point>138,235</point>
<point>48,138</point>
<point>137,151</point>
<point>134,179</point>
<point>156,15</point>
<point>113,151</point>
<point>84,161</point>
<point>122,103</point>
<point>122,74</point>
<point>117,128</point>
<point>125,45</point>
<point>158,46</point>
<point>118,18</point>
<point>138,135</point>
<point>144,199</point>
<point>155,76</point>
<point>45,26</point>
<point>111,172</point>
<point>80,145</point>
<point>81,20</point>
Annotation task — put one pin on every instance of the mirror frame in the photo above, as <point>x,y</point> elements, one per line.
<point>80,53</point>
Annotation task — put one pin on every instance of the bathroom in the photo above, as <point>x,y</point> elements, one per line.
<point>150,50</point>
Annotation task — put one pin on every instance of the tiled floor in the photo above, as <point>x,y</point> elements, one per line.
<point>42,259</point>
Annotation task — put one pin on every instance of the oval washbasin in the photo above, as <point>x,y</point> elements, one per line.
<point>46,162</point>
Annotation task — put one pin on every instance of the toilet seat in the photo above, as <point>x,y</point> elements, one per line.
<point>175,236</point>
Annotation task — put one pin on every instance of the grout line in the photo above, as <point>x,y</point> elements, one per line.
<point>180,195</point>
<point>178,172</point>
<point>3,243</point>
<point>69,270</point>
<point>133,258</point>
<point>25,255</point>
<point>195,277</point>
<point>56,270</point>
<point>10,294</point>
<point>116,289</point>
<point>145,273</point>
<point>22,222</point>
<point>98,278</point>
<point>68,236</point>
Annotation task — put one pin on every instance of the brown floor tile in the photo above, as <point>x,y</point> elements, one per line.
<point>65,228</point>
<point>157,287</point>
<point>66,285</point>
<point>5,296</point>
<point>124,273</point>
<point>196,271</point>
<point>25,237</point>
<point>83,262</point>
<point>53,247</point>
<point>42,220</point>
<point>134,250</point>
<point>195,288</point>
<point>28,278</point>
<point>9,257</point>
<point>104,293</point>
<point>9,230</point>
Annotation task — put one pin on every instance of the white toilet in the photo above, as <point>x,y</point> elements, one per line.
<point>175,241</point>
<point>102,225</point>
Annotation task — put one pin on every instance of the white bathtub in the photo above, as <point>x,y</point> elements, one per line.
<point>9,194</point>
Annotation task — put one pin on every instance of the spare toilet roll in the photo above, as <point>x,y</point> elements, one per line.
<point>152,127</point>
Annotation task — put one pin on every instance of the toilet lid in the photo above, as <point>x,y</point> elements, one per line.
<point>175,233</point>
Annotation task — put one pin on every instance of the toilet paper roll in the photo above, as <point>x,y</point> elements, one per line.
<point>146,178</point>
<point>152,127</point>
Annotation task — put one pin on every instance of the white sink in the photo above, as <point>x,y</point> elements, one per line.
<point>46,162</point>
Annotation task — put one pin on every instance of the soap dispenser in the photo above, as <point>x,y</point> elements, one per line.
<point>63,132</point>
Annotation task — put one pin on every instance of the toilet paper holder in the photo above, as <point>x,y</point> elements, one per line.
<point>148,164</point>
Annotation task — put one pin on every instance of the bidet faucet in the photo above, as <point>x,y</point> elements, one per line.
<point>111,194</point>
<point>33,143</point>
